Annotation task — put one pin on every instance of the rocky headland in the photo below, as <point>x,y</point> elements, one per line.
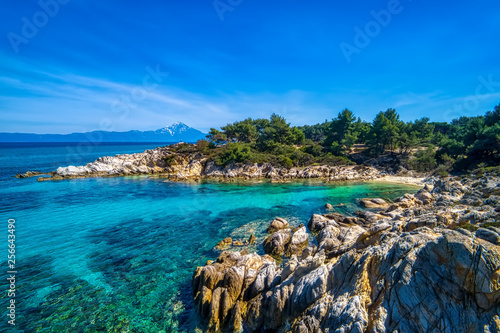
<point>164,162</point>
<point>428,262</point>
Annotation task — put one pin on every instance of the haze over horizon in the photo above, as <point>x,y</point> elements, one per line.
<point>72,66</point>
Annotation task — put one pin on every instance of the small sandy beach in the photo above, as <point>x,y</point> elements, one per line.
<point>417,181</point>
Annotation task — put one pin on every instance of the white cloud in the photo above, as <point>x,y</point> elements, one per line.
<point>51,101</point>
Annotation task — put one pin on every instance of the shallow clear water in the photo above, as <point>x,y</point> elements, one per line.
<point>117,254</point>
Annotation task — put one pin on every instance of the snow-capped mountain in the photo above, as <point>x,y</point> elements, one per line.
<point>173,133</point>
<point>175,128</point>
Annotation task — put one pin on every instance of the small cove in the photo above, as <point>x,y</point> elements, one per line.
<point>117,254</point>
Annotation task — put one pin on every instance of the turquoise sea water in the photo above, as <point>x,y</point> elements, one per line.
<point>117,254</point>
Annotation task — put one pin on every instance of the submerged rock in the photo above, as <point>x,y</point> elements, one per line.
<point>29,174</point>
<point>252,239</point>
<point>225,243</point>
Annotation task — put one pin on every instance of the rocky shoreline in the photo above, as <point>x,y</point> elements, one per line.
<point>163,162</point>
<point>428,262</point>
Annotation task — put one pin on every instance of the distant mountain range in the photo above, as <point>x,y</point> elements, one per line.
<point>174,133</point>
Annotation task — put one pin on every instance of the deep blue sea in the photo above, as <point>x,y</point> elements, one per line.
<point>118,254</point>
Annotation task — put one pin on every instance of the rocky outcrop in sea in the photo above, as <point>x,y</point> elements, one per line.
<point>163,161</point>
<point>428,262</point>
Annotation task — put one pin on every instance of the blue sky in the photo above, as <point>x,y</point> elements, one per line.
<point>87,65</point>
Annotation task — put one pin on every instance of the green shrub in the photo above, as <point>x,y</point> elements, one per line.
<point>170,160</point>
<point>467,226</point>
<point>314,149</point>
<point>491,224</point>
<point>301,159</point>
<point>285,161</point>
<point>284,150</point>
<point>441,172</point>
<point>424,160</point>
<point>493,169</point>
<point>234,153</point>
<point>462,163</point>
<point>333,160</point>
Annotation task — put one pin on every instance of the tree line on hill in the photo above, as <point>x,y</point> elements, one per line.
<point>464,143</point>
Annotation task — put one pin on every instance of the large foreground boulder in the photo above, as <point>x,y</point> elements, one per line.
<point>418,282</point>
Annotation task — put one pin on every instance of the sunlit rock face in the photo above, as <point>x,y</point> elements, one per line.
<point>410,270</point>
<point>183,166</point>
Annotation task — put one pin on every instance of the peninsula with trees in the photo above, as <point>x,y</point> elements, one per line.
<point>344,148</point>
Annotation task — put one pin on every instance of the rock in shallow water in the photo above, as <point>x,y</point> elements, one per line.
<point>225,243</point>
<point>298,242</point>
<point>275,244</point>
<point>278,224</point>
<point>373,203</point>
